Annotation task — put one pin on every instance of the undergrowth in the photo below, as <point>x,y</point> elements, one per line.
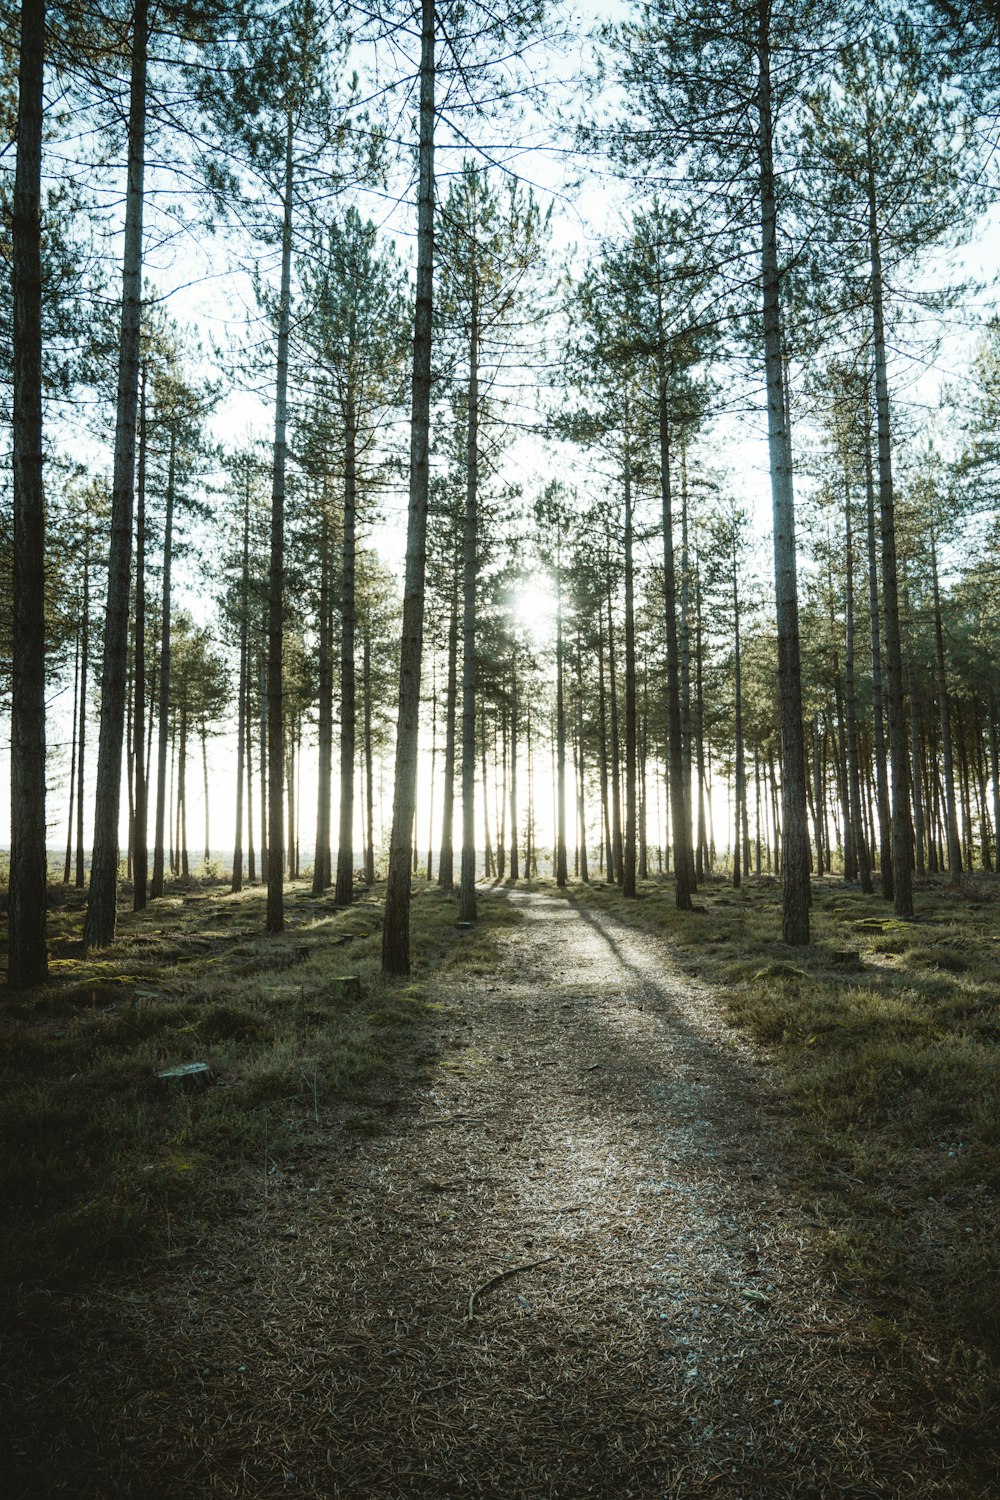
<point>887,1035</point>
<point>98,1155</point>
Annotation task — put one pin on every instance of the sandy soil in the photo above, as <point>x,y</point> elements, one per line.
<point>562,1259</point>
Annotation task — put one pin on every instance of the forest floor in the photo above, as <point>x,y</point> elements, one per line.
<point>542,1221</point>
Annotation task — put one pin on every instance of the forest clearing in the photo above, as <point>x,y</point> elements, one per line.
<point>605,1199</point>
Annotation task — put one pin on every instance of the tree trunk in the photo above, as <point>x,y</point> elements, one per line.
<point>68,866</point>
<point>741,790</point>
<point>446,854</point>
<point>102,903</point>
<point>514,832</point>
<point>881,763</point>
<point>430,814</point>
<point>795,852</point>
<point>853,764</point>
<point>902,844</point>
<point>560,859</point>
<point>324,770</point>
<point>275,920</point>
<point>617,866</point>
<point>629,868</point>
<point>82,729</point>
<point>366,668</point>
<point>156,886</point>
<point>608,861</point>
<point>344,893</point>
<point>467,883</point>
<point>489,867</point>
<point>28,955</point>
<point>140,829</point>
<point>944,711</point>
<point>242,717</point>
<point>396,926</point>
<point>581,809</point>
<point>680,826</point>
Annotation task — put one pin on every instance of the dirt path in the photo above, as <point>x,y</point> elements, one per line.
<point>591,1134</point>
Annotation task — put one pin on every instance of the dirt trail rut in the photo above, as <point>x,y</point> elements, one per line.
<point>566,1266</point>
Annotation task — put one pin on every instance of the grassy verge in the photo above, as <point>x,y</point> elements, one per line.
<point>99,1156</point>
<point>887,1035</point>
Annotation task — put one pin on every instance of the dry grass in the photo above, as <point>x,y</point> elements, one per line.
<point>96,1152</point>
<point>886,1034</point>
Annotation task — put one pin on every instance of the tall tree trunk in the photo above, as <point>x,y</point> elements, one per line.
<point>685,668</point>
<point>617,847</point>
<point>344,893</point>
<point>68,866</point>
<point>366,669</point>
<point>514,831</point>
<point>82,726</point>
<point>629,868</point>
<point>430,814</point>
<point>262,696</point>
<point>470,561</point>
<point>396,926</point>
<point>944,711</point>
<point>324,771</point>
<point>581,810</point>
<point>488,864</point>
<point>881,761</point>
<point>817,798</point>
<point>242,717</point>
<point>275,920</point>
<point>902,843</point>
<point>140,829</point>
<point>853,764</point>
<point>680,825</point>
<point>446,854</point>
<point>28,956</point>
<point>248,719</point>
<point>701,858</point>
<point>607,845</point>
<point>156,886</point>
<point>741,788</point>
<point>795,852</point>
<point>203,730</point>
<point>560,860</point>
<point>102,902</point>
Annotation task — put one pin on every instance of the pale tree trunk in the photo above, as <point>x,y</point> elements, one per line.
<point>321,856</point>
<point>489,866</point>
<point>102,902</point>
<point>28,956</point>
<point>243,722</point>
<point>68,867</point>
<point>741,781</point>
<point>944,711</point>
<point>344,893</point>
<point>275,920</point>
<point>140,829</point>
<point>560,860</point>
<point>446,853</point>
<point>795,850</point>
<point>902,841</point>
<point>679,819</point>
<point>628,871</point>
<point>467,882</point>
<point>82,729</point>
<point>396,925</point>
<point>156,888</point>
<point>430,815</point>
<point>853,760</point>
<point>617,842</point>
<point>514,832</point>
<point>581,784</point>
<point>881,762</point>
<point>366,669</point>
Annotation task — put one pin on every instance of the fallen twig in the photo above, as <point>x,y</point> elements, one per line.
<point>494,1281</point>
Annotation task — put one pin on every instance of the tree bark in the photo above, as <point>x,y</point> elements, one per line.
<point>275,920</point>
<point>140,822</point>
<point>156,887</point>
<point>902,841</point>
<point>629,867</point>
<point>102,902</point>
<point>28,956</point>
<point>944,713</point>
<point>324,771</point>
<point>396,925</point>
<point>795,851</point>
<point>470,560</point>
<point>344,893</point>
<point>679,821</point>
<point>446,854</point>
<point>242,717</point>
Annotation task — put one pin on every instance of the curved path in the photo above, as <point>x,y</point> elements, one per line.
<point>566,1265</point>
